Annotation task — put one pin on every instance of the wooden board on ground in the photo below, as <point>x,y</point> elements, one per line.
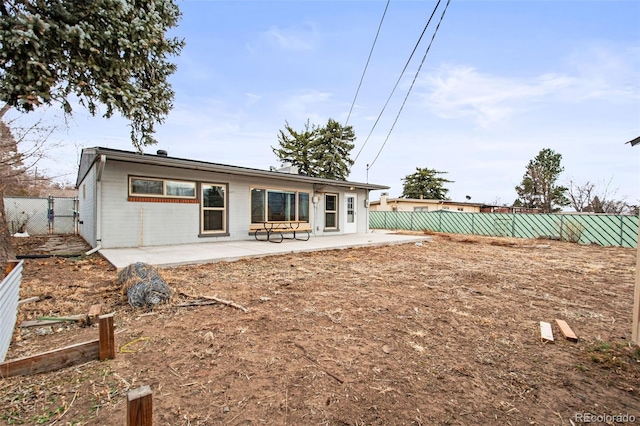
<point>52,360</point>
<point>546,333</point>
<point>566,330</point>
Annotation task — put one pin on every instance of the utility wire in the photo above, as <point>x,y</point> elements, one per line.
<point>397,82</point>
<point>412,83</point>
<point>367,64</point>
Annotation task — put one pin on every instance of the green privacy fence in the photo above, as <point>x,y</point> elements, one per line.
<point>605,230</point>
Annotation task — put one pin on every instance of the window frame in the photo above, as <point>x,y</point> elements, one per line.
<point>164,188</point>
<point>224,209</point>
<point>334,212</point>
<point>265,200</point>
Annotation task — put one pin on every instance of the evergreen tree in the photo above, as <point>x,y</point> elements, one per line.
<point>109,52</point>
<point>100,52</point>
<point>425,183</point>
<point>538,188</point>
<point>318,151</point>
<point>332,146</point>
<point>295,148</point>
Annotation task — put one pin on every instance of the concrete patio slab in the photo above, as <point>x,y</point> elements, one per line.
<point>188,254</point>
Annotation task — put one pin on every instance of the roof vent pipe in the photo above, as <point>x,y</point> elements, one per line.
<point>162,153</point>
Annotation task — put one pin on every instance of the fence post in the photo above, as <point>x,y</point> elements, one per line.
<point>50,207</point>
<point>411,222</point>
<point>473,216</point>
<point>513,226</point>
<point>621,233</point>
<point>561,226</point>
<point>107,341</point>
<point>140,407</point>
<point>440,221</point>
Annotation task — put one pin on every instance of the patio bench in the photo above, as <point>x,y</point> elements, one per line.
<point>276,232</point>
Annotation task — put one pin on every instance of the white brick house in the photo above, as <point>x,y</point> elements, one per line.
<point>128,199</point>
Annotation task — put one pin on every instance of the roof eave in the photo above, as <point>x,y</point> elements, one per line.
<point>161,160</point>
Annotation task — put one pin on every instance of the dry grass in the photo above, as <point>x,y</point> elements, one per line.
<point>440,333</point>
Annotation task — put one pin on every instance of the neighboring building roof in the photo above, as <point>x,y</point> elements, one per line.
<point>635,141</point>
<point>429,201</point>
<point>92,155</point>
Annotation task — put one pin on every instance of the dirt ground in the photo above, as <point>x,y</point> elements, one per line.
<point>440,332</point>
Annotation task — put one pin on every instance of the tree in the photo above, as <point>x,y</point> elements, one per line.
<point>109,52</point>
<point>318,151</point>
<point>589,197</point>
<point>425,183</point>
<point>332,147</point>
<point>101,52</point>
<point>295,148</point>
<point>538,189</point>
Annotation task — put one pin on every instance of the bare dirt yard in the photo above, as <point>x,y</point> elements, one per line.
<point>443,332</point>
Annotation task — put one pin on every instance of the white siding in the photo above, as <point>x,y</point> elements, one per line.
<point>134,224</point>
<point>87,207</point>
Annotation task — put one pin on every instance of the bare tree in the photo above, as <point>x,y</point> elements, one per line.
<point>21,148</point>
<point>593,198</point>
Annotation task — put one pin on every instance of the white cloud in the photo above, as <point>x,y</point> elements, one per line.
<point>252,98</point>
<point>591,73</point>
<point>462,91</point>
<point>305,106</point>
<point>289,39</point>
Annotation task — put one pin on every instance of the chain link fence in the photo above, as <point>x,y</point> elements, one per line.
<point>42,216</point>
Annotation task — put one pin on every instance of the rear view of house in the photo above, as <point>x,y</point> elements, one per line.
<point>128,199</point>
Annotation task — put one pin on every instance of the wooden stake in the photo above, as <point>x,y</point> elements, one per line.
<point>94,312</point>
<point>566,330</point>
<point>107,339</point>
<point>140,407</point>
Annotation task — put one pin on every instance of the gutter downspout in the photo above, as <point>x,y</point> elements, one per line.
<point>100,169</point>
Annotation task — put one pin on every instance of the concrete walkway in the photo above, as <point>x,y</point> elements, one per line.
<point>188,254</point>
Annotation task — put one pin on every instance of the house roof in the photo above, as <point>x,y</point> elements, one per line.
<point>92,155</point>
<point>635,141</point>
<point>428,201</point>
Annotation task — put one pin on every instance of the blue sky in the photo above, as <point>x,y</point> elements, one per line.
<point>503,80</point>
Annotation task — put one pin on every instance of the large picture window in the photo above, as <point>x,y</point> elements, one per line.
<point>331,211</point>
<point>277,205</point>
<point>147,187</point>
<point>214,203</point>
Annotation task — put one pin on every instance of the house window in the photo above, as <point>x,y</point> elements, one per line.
<point>330,211</point>
<point>214,203</point>
<point>276,205</point>
<point>146,187</point>
<point>421,209</point>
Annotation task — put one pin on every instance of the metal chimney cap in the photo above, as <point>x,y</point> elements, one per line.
<point>162,152</point>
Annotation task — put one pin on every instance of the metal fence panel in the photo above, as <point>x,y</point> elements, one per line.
<point>63,219</point>
<point>27,215</point>
<point>9,296</point>
<point>42,216</point>
<point>605,230</point>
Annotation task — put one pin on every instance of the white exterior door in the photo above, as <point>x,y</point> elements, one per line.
<point>351,222</point>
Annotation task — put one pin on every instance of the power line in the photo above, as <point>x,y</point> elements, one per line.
<point>397,82</point>
<point>412,83</point>
<point>367,64</point>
